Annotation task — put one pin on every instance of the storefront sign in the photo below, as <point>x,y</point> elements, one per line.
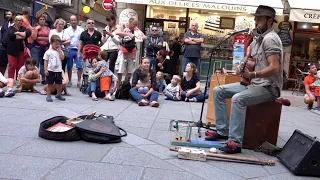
<point>198,5</point>
<point>126,14</point>
<point>305,15</point>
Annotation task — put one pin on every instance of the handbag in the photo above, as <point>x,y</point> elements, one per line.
<point>26,51</point>
<point>65,49</point>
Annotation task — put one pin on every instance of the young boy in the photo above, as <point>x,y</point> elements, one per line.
<point>317,89</point>
<point>172,90</point>
<point>161,83</point>
<point>106,77</point>
<point>28,76</point>
<point>53,67</point>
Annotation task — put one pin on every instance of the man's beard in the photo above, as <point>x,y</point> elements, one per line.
<point>261,30</point>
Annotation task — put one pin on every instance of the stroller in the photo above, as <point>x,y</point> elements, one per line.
<point>89,51</point>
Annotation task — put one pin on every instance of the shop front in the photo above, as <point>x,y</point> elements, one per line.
<point>215,19</point>
<point>306,35</point>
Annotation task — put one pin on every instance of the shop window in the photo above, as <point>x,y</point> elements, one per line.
<point>308,26</point>
<point>164,12</point>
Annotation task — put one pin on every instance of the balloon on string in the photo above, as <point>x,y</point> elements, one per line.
<point>86,9</point>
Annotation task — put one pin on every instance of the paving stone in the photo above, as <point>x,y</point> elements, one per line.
<point>136,157</point>
<point>25,167</point>
<point>161,137</point>
<point>65,112</point>
<point>13,111</point>
<point>278,168</point>
<point>141,132</point>
<point>31,119</point>
<point>78,108</point>
<point>158,151</point>
<point>78,170</point>
<point>145,124</point>
<point>9,143</point>
<point>109,112</point>
<point>156,174</point>
<point>203,169</point>
<point>79,150</point>
<point>285,176</point>
<point>19,130</point>
<point>164,126</point>
<point>136,140</point>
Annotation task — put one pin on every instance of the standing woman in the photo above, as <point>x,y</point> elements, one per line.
<point>40,44</point>
<point>112,42</point>
<point>58,30</point>
<point>151,98</point>
<point>190,85</point>
<point>16,43</point>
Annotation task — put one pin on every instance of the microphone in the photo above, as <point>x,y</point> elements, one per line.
<point>239,31</point>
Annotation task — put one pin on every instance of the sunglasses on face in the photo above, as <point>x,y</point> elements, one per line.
<point>90,22</point>
<point>154,30</point>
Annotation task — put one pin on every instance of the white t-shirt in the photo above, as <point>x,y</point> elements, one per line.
<point>23,70</point>
<point>172,89</point>
<point>54,61</point>
<point>61,34</point>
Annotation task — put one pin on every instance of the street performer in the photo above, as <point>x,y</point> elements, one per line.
<point>265,85</point>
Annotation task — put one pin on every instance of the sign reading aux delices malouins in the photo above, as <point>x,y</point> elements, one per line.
<point>197,5</point>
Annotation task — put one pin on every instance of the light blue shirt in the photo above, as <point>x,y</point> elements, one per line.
<point>74,35</point>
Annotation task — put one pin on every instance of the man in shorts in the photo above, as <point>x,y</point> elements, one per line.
<point>310,95</point>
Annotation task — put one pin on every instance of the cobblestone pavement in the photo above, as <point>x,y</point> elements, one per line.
<point>143,154</point>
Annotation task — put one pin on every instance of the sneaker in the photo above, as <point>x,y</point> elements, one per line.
<point>69,84</point>
<point>112,98</point>
<point>176,98</point>
<point>78,84</point>
<point>61,98</point>
<point>230,148</point>
<point>49,99</point>
<point>143,103</point>
<point>186,100</point>
<point>317,108</point>
<point>310,106</point>
<point>154,104</point>
<point>215,137</point>
<point>1,94</point>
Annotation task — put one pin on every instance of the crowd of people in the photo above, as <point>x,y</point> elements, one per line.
<point>39,54</point>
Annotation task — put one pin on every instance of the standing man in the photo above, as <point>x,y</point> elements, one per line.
<point>153,44</point>
<point>310,96</point>
<point>89,36</point>
<point>192,40</point>
<point>26,13</point>
<point>3,47</point>
<point>266,82</point>
<point>73,33</point>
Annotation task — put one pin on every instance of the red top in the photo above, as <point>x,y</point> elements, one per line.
<point>310,80</point>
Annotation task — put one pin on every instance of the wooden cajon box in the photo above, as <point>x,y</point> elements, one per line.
<point>262,124</point>
<point>217,81</point>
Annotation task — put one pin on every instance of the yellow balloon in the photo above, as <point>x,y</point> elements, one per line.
<point>86,9</point>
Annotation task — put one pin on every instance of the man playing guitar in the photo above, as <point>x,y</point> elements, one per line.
<point>265,85</point>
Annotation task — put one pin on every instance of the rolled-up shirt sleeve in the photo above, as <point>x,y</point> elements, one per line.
<point>272,46</point>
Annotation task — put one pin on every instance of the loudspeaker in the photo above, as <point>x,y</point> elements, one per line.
<point>301,154</point>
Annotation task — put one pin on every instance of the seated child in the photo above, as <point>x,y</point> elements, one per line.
<point>128,46</point>
<point>172,90</point>
<point>161,83</point>
<point>54,87</point>
<point>106,77</point>
<point>28,76</point>
<point>317,90</point>
<point>145,80</point>
<point>6,87</point>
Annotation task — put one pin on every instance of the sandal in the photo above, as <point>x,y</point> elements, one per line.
<point>94,99</point>
<point>43,92</point>
<point>9,94</point>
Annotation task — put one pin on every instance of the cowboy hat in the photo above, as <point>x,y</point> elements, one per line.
<point>266,11</point>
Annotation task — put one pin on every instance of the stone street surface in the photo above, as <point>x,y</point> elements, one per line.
<point>143,154</point>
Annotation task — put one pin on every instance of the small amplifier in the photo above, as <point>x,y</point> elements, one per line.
<point>301,154</point>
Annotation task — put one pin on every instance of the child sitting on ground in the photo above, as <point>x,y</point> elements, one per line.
<point>317,90</point>
<point>28,76</point>
<point>128,46</point>
<point>53,67</point>
<point>145,80</point>
<point>161,83</point>
<point>6,87</point>
<point>54,87</point>
<point>172,90</point>
<point>106,77</point>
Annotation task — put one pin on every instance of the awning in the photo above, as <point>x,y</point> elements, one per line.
<point>304,12</point>
<point>219,5</point>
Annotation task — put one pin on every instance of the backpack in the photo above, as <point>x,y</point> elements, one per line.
<point>123,90</point>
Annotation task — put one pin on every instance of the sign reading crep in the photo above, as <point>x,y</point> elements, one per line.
<point>302,15</point>
<point>197,5</point>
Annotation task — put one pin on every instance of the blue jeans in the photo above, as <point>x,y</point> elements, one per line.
<point>161,84</point>
<point>137,97</point>
<point>153,62</point>
<point>93,88</point>
<point>169,96</point>
<point>37,54</point>
<point>186,60</point>
<point>143,90</point>
<point>242,96</point>
<point>200,97</point>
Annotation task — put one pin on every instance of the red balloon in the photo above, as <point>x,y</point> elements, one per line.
<point>107,5</point>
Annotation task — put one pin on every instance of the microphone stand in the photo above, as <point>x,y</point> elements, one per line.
<point>214,49</point>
